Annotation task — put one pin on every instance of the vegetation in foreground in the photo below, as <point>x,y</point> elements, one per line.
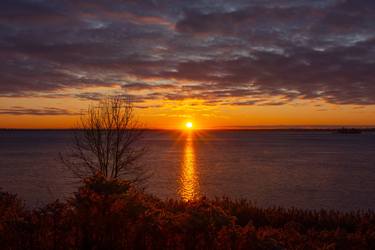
<point>113,215</point>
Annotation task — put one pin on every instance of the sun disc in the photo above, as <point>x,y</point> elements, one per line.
<point>189,125</point>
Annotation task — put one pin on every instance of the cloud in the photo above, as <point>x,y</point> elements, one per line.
<point>46,111</point>
<point>147,86</point>
<point>175,50</point>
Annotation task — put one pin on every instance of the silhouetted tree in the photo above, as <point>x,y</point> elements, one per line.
<point>106,142</point>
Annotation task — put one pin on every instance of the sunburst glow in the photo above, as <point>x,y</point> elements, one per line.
<point>189,125</point>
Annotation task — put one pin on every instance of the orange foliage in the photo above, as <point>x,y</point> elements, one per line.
<point>113,215</point>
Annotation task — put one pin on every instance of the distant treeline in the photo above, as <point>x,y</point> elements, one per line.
<point>113,215</point>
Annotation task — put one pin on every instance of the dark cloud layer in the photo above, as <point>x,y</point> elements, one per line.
<point>213,50</point>
<point>16,110</point>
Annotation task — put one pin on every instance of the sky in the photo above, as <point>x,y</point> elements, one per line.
<point>220,64</point>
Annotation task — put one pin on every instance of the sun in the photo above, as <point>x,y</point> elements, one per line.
<point>189,125</point>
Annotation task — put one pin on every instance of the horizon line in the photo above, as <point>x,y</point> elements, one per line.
<point>223,128</point>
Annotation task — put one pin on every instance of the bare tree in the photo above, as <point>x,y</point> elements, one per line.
<point>106,142</point>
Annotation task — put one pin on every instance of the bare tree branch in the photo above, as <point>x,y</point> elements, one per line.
<point>107,142</point>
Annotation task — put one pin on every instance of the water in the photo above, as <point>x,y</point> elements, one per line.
<point>310,170</point>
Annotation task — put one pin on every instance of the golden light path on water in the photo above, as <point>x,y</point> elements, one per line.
<point>189,180</point>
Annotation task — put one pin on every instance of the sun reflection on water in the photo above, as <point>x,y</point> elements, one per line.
<point>189,181</point>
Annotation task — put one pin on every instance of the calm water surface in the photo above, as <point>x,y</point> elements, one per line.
<point>300,169</point>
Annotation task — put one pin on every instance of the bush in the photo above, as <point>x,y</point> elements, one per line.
<point>112,214</point>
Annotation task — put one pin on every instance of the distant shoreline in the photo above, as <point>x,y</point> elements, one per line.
<point>335,129</point>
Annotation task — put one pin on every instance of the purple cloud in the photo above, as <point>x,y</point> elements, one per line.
<point>213,51</point>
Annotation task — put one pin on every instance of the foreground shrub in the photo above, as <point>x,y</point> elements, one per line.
<point>112,214</point>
